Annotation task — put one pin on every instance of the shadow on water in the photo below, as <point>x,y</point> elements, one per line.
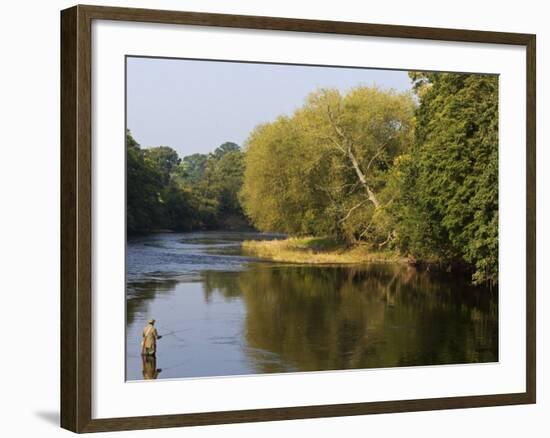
<point>266,317</point>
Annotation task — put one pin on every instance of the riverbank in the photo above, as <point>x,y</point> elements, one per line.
<point>317,250</point>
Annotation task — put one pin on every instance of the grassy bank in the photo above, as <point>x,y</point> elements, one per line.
<point>316,250</point>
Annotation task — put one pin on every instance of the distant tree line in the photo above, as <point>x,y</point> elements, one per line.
<point>418,174</point>
<point>200,191</point>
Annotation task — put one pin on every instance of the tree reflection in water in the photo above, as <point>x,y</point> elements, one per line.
<point>328,318</point>
<point>312,318</point>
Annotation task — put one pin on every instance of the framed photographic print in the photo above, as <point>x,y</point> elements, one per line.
<point>271,218</point>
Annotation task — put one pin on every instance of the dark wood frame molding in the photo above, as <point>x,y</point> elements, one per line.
<point>76,237</point>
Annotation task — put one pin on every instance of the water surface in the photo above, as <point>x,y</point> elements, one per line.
<point>221,312</point>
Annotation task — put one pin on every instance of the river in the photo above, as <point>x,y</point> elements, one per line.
<point>221,312</point>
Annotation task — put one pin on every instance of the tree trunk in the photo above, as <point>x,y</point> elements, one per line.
<point>346,149</point>
<point>362,179</point>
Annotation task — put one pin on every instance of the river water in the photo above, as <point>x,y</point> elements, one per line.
<point>221,312</point>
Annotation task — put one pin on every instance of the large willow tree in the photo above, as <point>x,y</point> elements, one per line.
<point>324,169</point>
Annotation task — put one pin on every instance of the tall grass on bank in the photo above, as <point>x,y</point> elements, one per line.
<point>316,250</point>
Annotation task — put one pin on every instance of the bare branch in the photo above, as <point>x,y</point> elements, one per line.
<point>363,179</point>
<point>351,210</point>
<point>367,228</point>
<point>348,151</point>
<point>338,145</point>
<point>376,155</point>
<point>333,141</point>
<point>335,125</point>
<point>390,237</point>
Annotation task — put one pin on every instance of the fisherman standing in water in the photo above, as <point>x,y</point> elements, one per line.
<point>150,336</point>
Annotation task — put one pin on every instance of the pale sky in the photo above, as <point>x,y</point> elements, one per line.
<point>194,106</point>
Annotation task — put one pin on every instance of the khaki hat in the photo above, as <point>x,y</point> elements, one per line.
<point>150,321</point>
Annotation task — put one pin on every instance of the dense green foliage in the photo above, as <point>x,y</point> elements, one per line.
<point>143,186</point>
<point>447,207</point>
<point>196,192</point>
<point>193,166</point>
<point>374,167</point>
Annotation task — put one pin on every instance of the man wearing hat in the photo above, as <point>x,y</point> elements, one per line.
<point>150,336</point>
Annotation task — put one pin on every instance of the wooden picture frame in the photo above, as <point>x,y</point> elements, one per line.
<point>76,217</point>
